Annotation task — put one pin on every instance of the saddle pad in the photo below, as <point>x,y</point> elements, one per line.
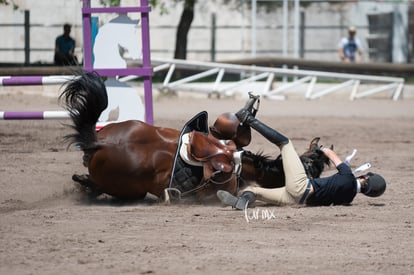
<point>185,140</point>
<point>192,173</point>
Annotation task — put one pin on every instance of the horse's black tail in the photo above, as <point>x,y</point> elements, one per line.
<point>85,98</point>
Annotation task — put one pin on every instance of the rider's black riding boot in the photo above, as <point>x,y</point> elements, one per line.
<point>270,134</point>
<point>249,107</point>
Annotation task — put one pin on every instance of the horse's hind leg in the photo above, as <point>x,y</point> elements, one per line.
<point>88,183</point>
<point>83,180</point>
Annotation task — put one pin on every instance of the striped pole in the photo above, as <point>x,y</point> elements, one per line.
<point>41,115</point>
<point>34,80</point>
<point>33,115</point>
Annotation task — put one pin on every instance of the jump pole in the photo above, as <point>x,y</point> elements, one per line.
<point>33,115</point>
<point>34,80</point>
<point>41,115</point>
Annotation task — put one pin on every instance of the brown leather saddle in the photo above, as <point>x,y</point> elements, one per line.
<point>227,127</point>
<point>216,156</point>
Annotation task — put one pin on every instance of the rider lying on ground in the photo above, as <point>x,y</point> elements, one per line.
<point>338,189</point>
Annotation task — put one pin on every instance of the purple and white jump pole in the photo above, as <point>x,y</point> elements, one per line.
<point>34,80</point>
<point>34,115</point>
<point>145,71</point>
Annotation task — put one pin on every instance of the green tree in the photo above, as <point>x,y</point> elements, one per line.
<point>183,27</point>
<point>8,2</point>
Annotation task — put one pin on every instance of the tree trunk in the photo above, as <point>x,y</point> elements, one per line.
<point>183,29</point>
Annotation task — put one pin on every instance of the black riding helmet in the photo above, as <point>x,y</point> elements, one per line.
<point>374,185</point>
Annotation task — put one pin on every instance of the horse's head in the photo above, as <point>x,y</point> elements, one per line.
<point>314,160</point>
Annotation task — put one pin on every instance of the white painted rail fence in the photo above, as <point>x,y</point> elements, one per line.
<point>373,84</point>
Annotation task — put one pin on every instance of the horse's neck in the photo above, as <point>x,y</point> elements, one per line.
<point>249,170</point>
<point>263,171</point>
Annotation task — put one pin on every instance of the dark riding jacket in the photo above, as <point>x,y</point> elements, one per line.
<point>337,189</point>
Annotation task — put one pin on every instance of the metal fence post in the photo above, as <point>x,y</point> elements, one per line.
<point>213,37</point>
<point>26,37</point>
<point>302,35</point>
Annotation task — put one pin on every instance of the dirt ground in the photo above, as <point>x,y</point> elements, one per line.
<point>48,227</point>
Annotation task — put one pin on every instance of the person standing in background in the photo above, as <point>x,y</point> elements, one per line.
<point>65,48</point>
<point>350,48</point>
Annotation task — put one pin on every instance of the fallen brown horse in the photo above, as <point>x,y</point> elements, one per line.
<point>129,159</point>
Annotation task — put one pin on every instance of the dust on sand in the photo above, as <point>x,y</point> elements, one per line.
<point>48,227</point>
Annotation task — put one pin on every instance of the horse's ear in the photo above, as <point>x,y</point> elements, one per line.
<point>315,140</point>
<point>314,143</point>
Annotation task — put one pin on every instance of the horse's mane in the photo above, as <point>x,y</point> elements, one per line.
<point>259,158</point>
<point>265,162</point>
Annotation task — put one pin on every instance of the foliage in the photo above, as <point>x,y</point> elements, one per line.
<point>161,5</point>
<point>8,2</point>
<point>111,3</point>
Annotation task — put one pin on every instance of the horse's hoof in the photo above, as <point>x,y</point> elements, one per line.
<point>80,178</point>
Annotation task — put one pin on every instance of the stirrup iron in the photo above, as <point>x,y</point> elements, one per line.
<point>250,103</point>
<point>249,109</point>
